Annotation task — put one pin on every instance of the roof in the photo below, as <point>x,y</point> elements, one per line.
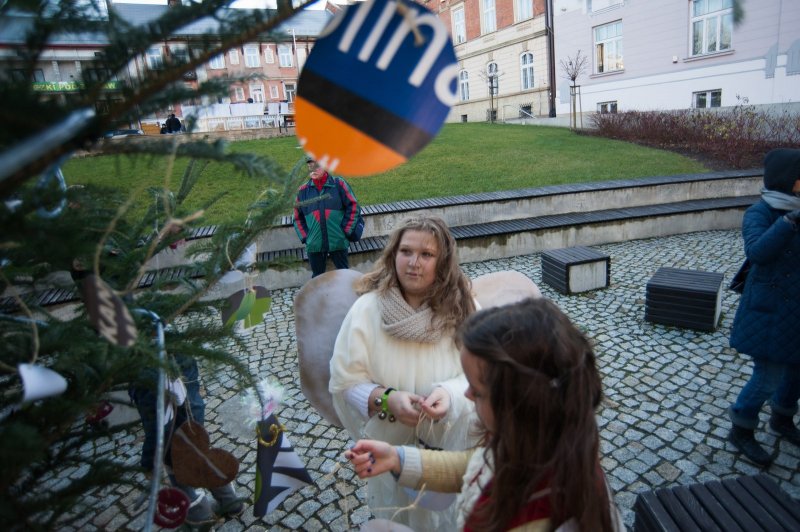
<point>306,23</point>
<point>14,25</point>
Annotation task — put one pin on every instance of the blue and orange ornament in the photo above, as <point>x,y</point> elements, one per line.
<point>376,88</point>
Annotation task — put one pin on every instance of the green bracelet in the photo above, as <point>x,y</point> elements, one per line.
<point>385,406</point>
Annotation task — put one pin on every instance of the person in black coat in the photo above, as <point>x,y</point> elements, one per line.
<point>767,323</point>
<point>173,124</point>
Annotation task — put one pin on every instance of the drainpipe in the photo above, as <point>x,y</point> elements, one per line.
<point>551,56</point>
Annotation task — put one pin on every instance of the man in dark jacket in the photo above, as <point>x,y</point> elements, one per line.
<point>326,215</point>
<point>768,318</point>
<point>173,124</point>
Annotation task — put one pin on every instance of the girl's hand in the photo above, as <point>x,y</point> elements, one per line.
<point>436,404</point>
<point>371,457</point>
<point>403,405</point>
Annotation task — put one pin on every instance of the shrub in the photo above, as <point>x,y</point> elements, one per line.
<point>736,137</point>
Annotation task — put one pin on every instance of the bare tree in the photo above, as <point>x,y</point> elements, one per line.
<point>573,68</point>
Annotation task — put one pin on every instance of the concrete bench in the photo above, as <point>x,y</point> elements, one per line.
<point>576,269</point>
<point>746,504</point>
<point>684,298</point>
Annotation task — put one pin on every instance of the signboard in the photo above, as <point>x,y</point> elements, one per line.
<point>71,86</point>
<point>376,88</point>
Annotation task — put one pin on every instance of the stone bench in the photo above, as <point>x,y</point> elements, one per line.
<point>684,298</point>
<point>746,504</point>
<point>576,269</point>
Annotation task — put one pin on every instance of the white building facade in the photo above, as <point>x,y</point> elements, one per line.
<point>677,54</point>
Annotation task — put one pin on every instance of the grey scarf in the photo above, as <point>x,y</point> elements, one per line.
<point>780,201</point>
<point>400,320</point>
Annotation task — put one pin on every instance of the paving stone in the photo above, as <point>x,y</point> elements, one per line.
<point>662,423</point>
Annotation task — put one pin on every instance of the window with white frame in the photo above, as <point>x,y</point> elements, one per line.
<point>526,70</point>
<point>233,55</point>
<point>155,58</point>
<point>273,92</point>
<point>269,55</point>
<point>459,24</point>
<point>608,47</point>
<point>217,62</point>
<point>251,59</point>
<point>606,107</point>
<point>284,55</point>
<point>463,85</point>
<point>712,26</point>
<point>703,99</point>
<point>489,16</point>
<point>523,9</point>
<point>492,78</point>
<point>257,92</point>
<point>238,94</point>
<point>289,89</point>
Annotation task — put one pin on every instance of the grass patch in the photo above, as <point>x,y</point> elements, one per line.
<point>462,159</point>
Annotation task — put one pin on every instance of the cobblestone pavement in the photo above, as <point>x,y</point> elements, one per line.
<point>663,422</point>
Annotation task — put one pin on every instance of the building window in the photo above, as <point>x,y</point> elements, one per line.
<point>233,55</point>
<point>463,85</point>
<point>606,107</point>
<point>703,99</point>
<point>491,115</point>
<point>273,92</point>
<point>269,55</point>
<point>257,92</point>
<point>712,26</point>
<point>180,55</point>
<point>155,58</point>
<point>525,111</point>
<point>238,94</point>
<point>526,70</point>
<point>464,118</point>
<point>284,55</point>
<point>489,18</point>
<point>524,9</point>
<point>492,79</point>
<point>608,47</point>
<point>251,56</point>
<point>20,75</point>
<point>289,90</point>
<point>459,25</point>
<point>217,62</point>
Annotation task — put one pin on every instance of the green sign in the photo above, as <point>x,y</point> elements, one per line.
<point>70,86</point>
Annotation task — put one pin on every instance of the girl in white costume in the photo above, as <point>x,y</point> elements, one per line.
<point>396,374</point>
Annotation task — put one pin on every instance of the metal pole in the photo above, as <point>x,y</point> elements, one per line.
<point>551,56</point>
<point>155,481</point>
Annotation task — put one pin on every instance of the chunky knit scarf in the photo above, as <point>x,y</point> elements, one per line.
<point>403,322</point>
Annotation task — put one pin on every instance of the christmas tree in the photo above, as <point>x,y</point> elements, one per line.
<point>50,228</point>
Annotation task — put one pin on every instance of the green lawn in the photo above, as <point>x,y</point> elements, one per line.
<point>464,158</point>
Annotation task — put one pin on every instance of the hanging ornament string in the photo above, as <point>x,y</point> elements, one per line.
<point>410,16</point>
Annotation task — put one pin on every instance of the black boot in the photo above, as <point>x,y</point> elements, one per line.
<point>784,425</point>
<point>745,441</point>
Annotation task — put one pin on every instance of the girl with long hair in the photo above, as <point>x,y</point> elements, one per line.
<point>395,370</point>
<point>533,379</point>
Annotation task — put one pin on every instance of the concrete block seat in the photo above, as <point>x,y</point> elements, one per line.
<point>746,504</point>
<point>576,269</point>
<point>684,298</point>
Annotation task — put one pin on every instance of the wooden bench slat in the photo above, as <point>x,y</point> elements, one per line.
<point>768,501</point>
<point>700,516</point>
<point>748,504</point>
<point>651,515</point>
<point>717,512</point>
<point>683,518</point>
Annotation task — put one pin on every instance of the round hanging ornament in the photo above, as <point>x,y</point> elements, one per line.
<point>376,88</point>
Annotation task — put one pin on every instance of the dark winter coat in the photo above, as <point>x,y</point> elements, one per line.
<point>323,219</point>
<point>767,322</point>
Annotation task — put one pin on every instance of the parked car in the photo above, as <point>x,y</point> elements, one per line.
<point>119,133</point>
